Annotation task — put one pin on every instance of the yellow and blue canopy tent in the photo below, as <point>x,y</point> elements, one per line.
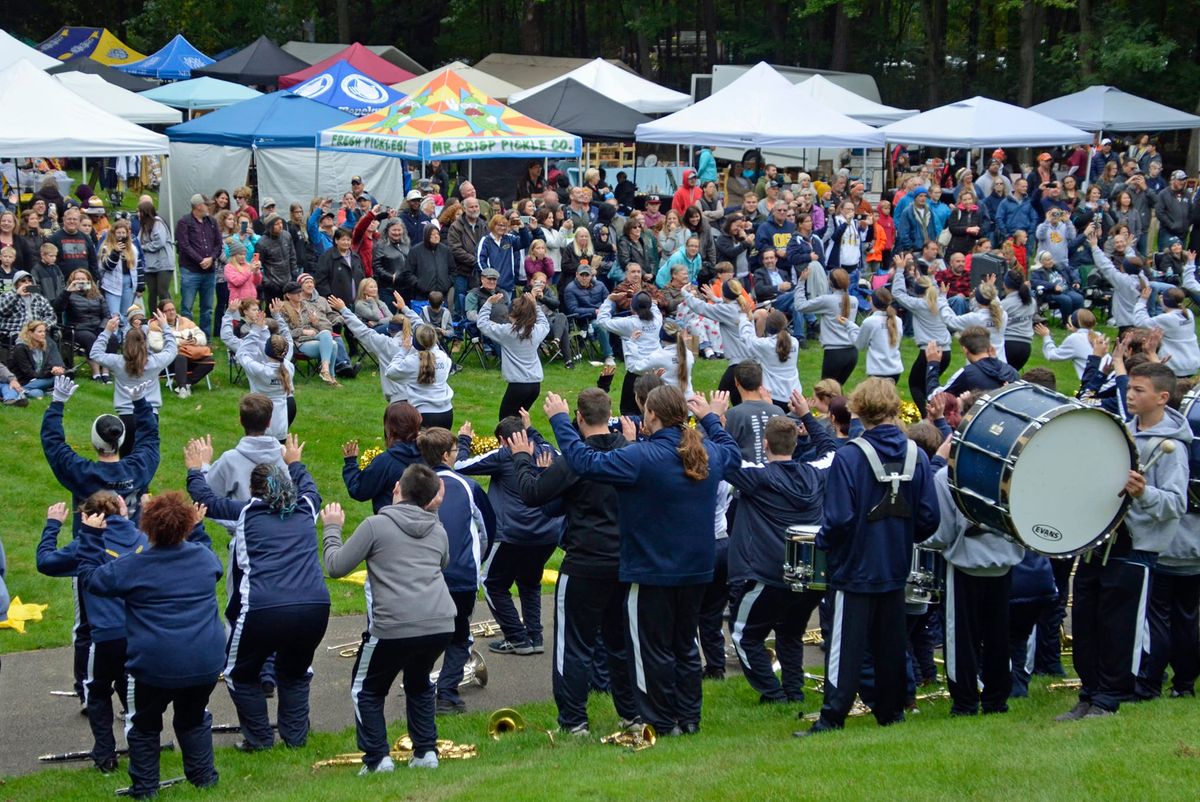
<point>98,44</point>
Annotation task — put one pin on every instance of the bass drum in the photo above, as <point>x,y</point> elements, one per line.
<point>1191,411</point>
<point>1042,468</point>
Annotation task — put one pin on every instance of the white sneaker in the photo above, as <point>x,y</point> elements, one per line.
<point>426,761</point>
<point>385,765</point>
<point>610,362</point>
<point>184,392</point>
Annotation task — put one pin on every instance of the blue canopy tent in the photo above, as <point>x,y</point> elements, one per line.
<point>344,87</point>
<point>279,131</point>
<point>174,62</point>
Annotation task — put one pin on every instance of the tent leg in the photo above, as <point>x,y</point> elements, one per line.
<point>676,154</point>
<point>84,179</point>
<point>317,175</point>
<point>471,170</point>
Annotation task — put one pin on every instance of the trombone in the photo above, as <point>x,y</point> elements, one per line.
<point>402,749</point>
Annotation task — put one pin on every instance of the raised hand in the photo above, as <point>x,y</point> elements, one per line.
<point>466,429</point>
<point>201,510</point>
<point>332,515</point>
<point>629,429</point>
<point>64,388</point>
<point>141,390</point>
<point>935,408</point>
<point>798,404</point>
<point>555,404</point>
<point>608,370</point>
<point>201,448</point>
<point>96,520</point>
<point>113,323</point>
<point>933,352</point>
<point>524,413</point>
<point>336,303</point>
<point>1040,329</point>
<point>350,448</point>
<point>161,320</point>
<point>519,444</point>
<point>57,512</point>
<point>293,449</point>
<point>719,402</point>
<point>544,459</point>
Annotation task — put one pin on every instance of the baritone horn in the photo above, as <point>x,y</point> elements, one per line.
<point>504,721</point>
<point>634,738</point>
<point>474,672</point>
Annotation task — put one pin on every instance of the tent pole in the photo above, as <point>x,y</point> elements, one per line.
<point>84,179</point>
<point>317,173</point>
<point>471,170</point>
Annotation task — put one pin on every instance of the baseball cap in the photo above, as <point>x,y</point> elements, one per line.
<point>413,194</point>
<point>327,214</point>
<point>356,179</point>
<point>653,199</point>
<point>291,288</point>
<point>999,154</point>
<point>1179,175</point>
<point>584,268</point>
<point>198,200</point>
<point>1044,156</point>
<point>490,272</point>
<point>21,275</point>
<point>1106,141</point>
<point>268,203</point>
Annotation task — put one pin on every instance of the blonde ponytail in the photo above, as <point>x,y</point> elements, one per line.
<point>931,294</point>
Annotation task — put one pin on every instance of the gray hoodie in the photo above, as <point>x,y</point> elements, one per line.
<point>1183,555</point>
<point>229,476</point>
<point>986,554</point>
<point>406,549</point>
<point>1153,519</point>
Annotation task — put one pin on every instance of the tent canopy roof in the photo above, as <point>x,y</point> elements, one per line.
<point>343,87</point>
<point>570,106</point>
<point>359,57</point>
<point>278,120</point>
<point>982,122</point>
<point>201,93</point>
<point>853,105</point>
<point>125,104</point>
<point>92,132</point>
<point>488,84</point>
<point>759,109</point>
<point>315,52</point>
<point>101,44</point>
<point>1106,108</point>
<point>260,62</point>
<point>529,71</point>
<point>13,50</point>
<point>624,87</point>
<point>115,77</point>
<point>448,118</point>
<point>174,61</point>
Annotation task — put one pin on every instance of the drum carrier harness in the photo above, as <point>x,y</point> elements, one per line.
<point>893,504</point>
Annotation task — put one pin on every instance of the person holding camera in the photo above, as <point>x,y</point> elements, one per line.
<point>120,268</point>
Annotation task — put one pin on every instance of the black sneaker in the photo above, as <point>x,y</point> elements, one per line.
<point>536,645</point>
<point>108,765</point>
<point>714,672</point>
<point>1096,711</point>
<point>445,707</point>
<point>510,647</point>
<point>245,746</point>
<point>1186,693</point>
<point>1075,713</point>
<point>19,401</point>
<point>268,689</point>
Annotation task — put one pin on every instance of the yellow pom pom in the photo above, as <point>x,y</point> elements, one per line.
<point>909,413</point>
<point>482,444</point>
<point>364,459</point>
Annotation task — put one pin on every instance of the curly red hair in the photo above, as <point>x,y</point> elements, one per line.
<point>168,519</point>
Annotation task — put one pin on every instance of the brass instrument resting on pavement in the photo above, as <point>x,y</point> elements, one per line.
<point>634,738</point>
<point>485,629</point>
<point>504,721</point>
<point>474,672</point>
<point>402,749</point>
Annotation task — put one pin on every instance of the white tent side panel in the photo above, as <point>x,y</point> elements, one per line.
<point>203,168</point>
<point>290,174</point>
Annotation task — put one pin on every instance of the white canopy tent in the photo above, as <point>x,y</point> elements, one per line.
<point>488,84</point>
<point>982,122</point>
<point>626,88</point>
<point>825,92</point>
<point>1106,108</point>
<point>129,106</point>
<point>758,110</point>
<point>13,50</point>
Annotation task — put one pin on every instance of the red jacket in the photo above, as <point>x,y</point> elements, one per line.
<point>363,242</point>
<point>685,197</point>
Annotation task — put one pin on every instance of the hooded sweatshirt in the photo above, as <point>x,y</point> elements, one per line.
<point>982,374</point>
<point>685,196</point>
<point>969,548</point>
<point>1127,289</point>
<point>376,482</point>
<point>874,556</point>
<point>121,538</point>
<point>834,334</point>
<point>1153,519</point>
<point>1179,337</point>
<point>405,548</point>
<point>928,325</point>
<point>229,476</point>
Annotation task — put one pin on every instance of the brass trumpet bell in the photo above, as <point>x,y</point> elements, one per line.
<point>635,738</point>
<point>504,721</point>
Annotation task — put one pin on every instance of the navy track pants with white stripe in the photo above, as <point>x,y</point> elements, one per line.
<point>859,621</point>
<point>665,653</point>
<point>1108,618</point>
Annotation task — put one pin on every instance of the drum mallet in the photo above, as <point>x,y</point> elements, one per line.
<point>1165,447</point>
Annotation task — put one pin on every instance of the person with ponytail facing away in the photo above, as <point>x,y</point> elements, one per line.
<point>382,342</point>
<point>1076,347</point>
<point>266,359</point>
<point>422,369</point>
<point>374,483</point>
<point>134,365</point>
<point>639,337</point>
<point>987,313</point>
<point>728,310</point>
<point>1021,308</point>
<point>925,304</point>
<point>668,485</point>
<point>1178,327</point>
<point>674,361</point>
<point>879,336</point>
<point>838,331</point>
<point>519,340</point>
<point>278,603</point>
<point>775,352</point>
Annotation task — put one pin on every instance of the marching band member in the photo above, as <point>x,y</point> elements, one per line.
<point>879,498</point>
<point>983,371</point>
<point>470,524</point>
<point>772,497</point>
<point>879,336</point>
<point>748,420</point>
<point>978,577</point>
<point>988,314</point>
<point>928,326</point>
<point>412,614</point>
<point>280,607</point>
<point>668,485</point>
<point>775,353</point>
<point>589,596</point>
<point>1077,346</point>
<point>838,331</point>
<point>1111,588</point>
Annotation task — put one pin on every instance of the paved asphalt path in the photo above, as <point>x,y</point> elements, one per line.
<point>32,722</point>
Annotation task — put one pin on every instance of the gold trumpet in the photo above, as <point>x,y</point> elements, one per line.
<point>634,738</point>
<point>812,637</point>
<point>504,721</point>
<point>1066,685</point>
<point>402,749</point>
<point>485,629</point>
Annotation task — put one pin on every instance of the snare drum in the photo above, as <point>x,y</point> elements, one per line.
<point>1042,468</point>
<point>1191,411</point>
<point>803,562</point>
<point>926,578</point>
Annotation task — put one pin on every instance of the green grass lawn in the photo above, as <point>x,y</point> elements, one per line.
<point>744,751</point>
<point>327,418</point>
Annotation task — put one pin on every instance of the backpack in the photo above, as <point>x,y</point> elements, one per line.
<point>893,504</point>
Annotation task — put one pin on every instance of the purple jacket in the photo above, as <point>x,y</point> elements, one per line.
<point>197,240</point>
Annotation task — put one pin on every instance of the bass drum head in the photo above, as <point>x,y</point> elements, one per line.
<point>1065,491</point>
